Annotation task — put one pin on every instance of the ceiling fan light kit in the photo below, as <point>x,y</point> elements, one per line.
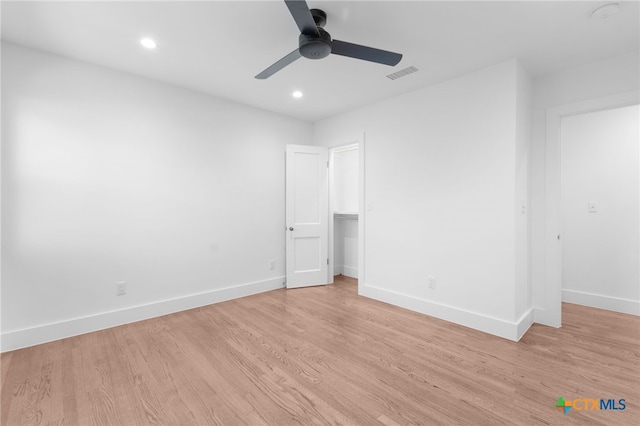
<point>315,42</point>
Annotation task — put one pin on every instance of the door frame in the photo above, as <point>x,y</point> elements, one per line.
<point>360,141</point>
<point>552,313</point>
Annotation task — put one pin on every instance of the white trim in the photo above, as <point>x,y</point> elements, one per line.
<point>551,313</point>
<point>23,338</point>
<point>350,271</point>
<point>540,316</point>
<point>333,269</point>
<point>362,211</point>
<point>524,323</point>
<point>345,148</point>
<point>487,324</point>
<point>617,304</point>
<point>347,271</point>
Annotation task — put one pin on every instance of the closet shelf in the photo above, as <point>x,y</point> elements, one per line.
<point>345,215</point>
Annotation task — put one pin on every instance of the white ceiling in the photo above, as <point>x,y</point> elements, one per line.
<point>217,47</point>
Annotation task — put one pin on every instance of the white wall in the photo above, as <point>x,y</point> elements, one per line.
<point>442,180</point>
<point>600,249</point>
<point>524,96</point>
<point>108,177</point>
<point>612,76</point>
<point>345,242</point>
<point>345,180</point>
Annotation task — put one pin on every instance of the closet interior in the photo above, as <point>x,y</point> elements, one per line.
<point>345,204</point>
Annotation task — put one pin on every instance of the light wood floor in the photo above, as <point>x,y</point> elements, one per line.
<point>324,355</point>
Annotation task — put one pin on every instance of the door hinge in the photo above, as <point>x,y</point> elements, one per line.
<point>327,164</point>
<point>327,260</point>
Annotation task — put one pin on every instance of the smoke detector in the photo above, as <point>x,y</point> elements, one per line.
<point>606,10</point>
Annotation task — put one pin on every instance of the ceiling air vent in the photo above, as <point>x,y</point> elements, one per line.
<point>403,72</point>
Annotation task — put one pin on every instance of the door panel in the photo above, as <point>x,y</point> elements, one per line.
<point>307,215</point>
<point>308,251</point>
<point>307,189</point>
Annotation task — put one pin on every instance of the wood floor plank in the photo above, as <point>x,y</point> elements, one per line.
<point>324,355</point>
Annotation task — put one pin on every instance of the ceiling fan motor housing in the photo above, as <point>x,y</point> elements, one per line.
<point>315,43</point>
<point>315,47</point>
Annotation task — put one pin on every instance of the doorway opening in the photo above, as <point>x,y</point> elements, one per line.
<point>550,311</point>
<point>346,201</point>
<point>600,159</point>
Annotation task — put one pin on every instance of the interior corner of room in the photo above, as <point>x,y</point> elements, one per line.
<point>125,197</point>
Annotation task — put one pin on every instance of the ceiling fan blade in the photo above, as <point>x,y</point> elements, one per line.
<point>279,65</point>
<point>302,15</point>
<point>357,51</point>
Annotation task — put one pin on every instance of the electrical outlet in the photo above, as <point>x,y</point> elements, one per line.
<point>272,264</point>
<point>431,282</point>
<point>121,288</point>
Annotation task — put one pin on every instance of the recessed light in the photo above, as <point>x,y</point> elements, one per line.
<point>297,94</point>
<point>148,43</point>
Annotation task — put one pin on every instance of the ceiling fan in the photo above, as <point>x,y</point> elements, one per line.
<point>315,43</point>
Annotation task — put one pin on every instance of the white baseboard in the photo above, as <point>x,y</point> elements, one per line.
<point>524,324</point>
<point>546,317</point>
<point>17,339</point>
<point>350,271</point>
<point>617,304</point>
<point>498,327</point>
<point>337,270</point>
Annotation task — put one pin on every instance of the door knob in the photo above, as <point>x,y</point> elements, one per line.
<point>291,228</point>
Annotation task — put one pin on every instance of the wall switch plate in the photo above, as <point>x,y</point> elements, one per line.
<point>592,207</point>
<point>272,264</point>
<point>431,282</point>
<point>121,288</point>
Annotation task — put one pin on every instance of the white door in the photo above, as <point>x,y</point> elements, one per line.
<point>307,215</point>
